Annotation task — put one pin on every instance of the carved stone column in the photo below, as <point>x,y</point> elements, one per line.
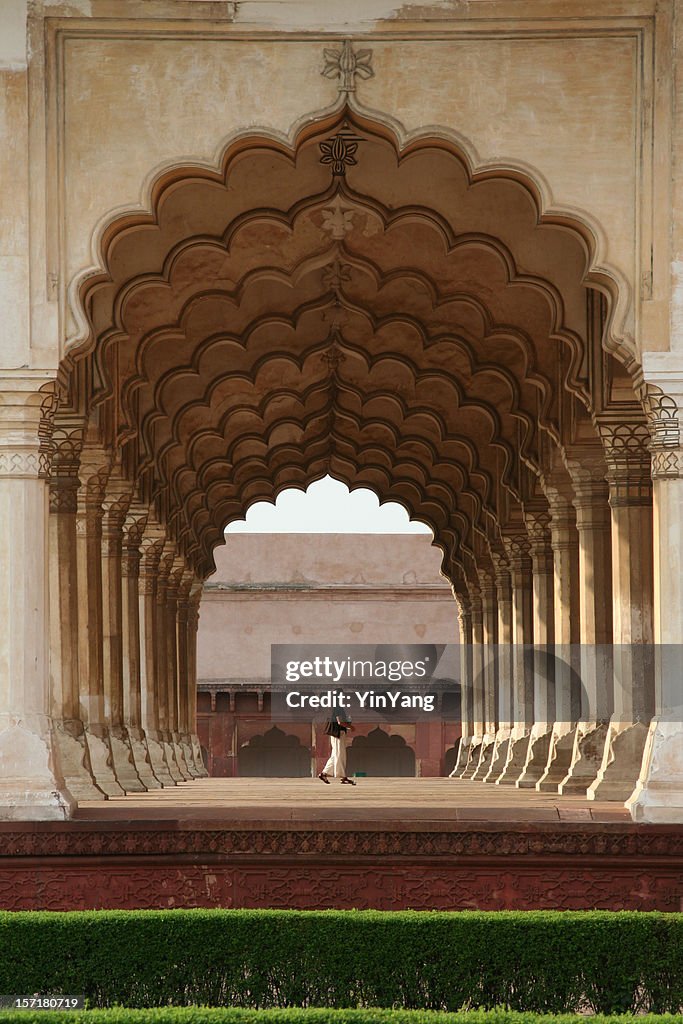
<point>478,725</point>
<point>31,786</point>
<point>133,530</point>
<point>115,506</point>
<point>192,627</point>
<point>490,681</point>
<point>466,700</point>
<point>162,627</point>
<point>658,796</point>
<point>565,545</point>
<point>630,497</point>
<point>538,527</point>
<point>182,644</point>
<point>94,471</point>
<point>521,580</point>
<point>595,603</point>
<point>172,589</point>
<point>505,671</point>
<point>152,547</point>
<point>69,731</point>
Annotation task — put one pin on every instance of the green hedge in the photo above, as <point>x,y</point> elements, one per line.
<point>202,1015</point>
<point>530,961</point>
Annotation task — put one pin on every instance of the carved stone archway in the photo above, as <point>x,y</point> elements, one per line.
<point>351,305</point>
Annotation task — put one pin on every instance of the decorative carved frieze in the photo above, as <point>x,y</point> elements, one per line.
<point>345,64</point>
<point>340,150</point>
<point>337,218</point>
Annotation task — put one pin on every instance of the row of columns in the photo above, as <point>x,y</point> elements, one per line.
<point>124,619</point>
<point>97,660</point>
<point>569,690</point>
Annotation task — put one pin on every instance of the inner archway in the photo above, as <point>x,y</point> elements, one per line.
<point>349,307</point>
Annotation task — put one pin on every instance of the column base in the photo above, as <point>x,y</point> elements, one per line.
<point>621,763</point>
<point>157,758</point>
<point>142,759</point>
<point>658,796</point>
<point>197,759</point>
<point>462,758</point>
<point>169,757</point>
<point>559,757</point>
<point>30,789</point>
<point>589,746</point>
<point>473,759</point>
<point>124,761</point>
<point>101,760</point>
<point>188,754</point>
<point>537,757</point>
<point>488,745</point>
<point>73,757</point>
<point>518,750</point>
<point>499,757</point>
<point>179,755</point>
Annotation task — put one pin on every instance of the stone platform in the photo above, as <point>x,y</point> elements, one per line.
<point>386,843</point>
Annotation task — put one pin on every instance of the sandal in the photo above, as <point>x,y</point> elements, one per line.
<point>324,778</point>
<point>347,781</point>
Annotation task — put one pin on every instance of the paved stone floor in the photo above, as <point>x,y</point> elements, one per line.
<point>373,800</point>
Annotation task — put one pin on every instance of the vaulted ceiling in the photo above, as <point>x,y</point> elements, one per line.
<point>342,307</point>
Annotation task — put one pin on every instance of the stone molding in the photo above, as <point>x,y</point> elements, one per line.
<point>619,840</point>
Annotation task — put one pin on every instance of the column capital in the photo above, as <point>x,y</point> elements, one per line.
<point>151,548</point>
<point>627,453</point>
<point>665,414</point>
<point>27,409</point>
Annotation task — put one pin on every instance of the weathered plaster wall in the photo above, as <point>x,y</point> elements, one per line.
<point>14,305</point>
<point>563,91</point>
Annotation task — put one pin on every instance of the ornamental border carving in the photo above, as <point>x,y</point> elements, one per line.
<point>621,841</point>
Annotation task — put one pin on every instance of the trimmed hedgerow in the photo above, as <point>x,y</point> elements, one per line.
<point>204,1015</point>
<point>541,962</point>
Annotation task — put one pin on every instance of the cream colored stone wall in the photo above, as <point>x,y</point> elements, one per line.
<point>118,91</point>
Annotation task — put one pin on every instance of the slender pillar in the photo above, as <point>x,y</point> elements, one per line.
<point>521,580</point>
<point>489,609</point>
<point>565,545</point>
<point>151,550</point>
<point>94,471</point>
<point>478,725</point>
<point>115,507</point>
<point>162,626</point>
<point>630,496</point>
<point>31,786</point>
<point>192,627</point>
<point>658,796</point>
<point>185,738</point>
<point>133,531</point>
<point>505,670</point>
<point>174,582</point>
<point>69,731</point>
<point>466,701</point>
<point>538,526</point>
<point>595,604</point>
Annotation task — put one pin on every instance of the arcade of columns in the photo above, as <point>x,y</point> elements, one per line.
<point>356,304</point>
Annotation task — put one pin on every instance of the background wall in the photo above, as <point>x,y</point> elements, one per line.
<point>319,588</point>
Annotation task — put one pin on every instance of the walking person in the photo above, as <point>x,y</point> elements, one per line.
<point>337,728</point>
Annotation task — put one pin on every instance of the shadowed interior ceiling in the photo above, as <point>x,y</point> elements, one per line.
<point>343,307</point>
